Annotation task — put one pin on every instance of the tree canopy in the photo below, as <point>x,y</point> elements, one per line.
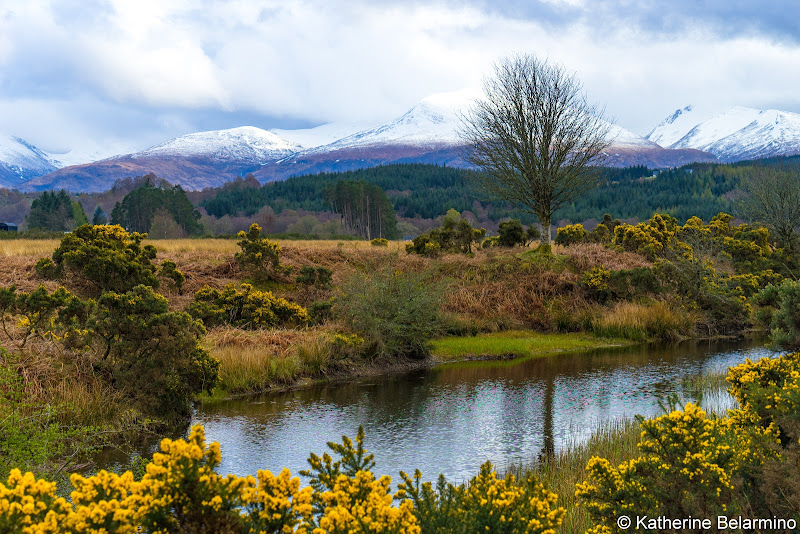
<point>55,211</point>
<point>140,208</point>
<point>535,137</point>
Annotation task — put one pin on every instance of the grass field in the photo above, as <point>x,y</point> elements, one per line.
<point>518,343</point>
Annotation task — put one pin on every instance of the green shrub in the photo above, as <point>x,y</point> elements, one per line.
<point>601,234</point>
<point>318,276</point>
<point>379,242</point>
<point>320,311</point>
<point>455,235</point>
<point>150,353</point>
<point>245,308</point>
<point>511,233</point>
<point>259,256</point>
<point>532,234</point>
<point>169,270</point>
<point>107,257</point>
<point>397,313</point>
<point>595,281</point>
<point>486,503</point>
<point>571,234</point>
<point>783,317</point>
<point>40,313</point>
<point>685,470</point>
<point>634,283</point>
<point>490,242</point>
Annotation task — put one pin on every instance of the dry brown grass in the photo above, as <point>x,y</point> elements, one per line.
<point>253,361</point>
<point>586,256</point>
<point>640,322</point>
<point>28,247</point>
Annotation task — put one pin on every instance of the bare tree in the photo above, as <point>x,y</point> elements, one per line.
<point>535,136</point>
<point>773,198</point>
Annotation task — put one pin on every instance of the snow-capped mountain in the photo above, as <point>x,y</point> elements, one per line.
<point>737,134</point>
<point>194,161</point>
<point>246,143</point>
<point>21,161</point>
<point>429,133</point>
<point>426,133</point>
<point>434,121</point>
<point>324,134</point>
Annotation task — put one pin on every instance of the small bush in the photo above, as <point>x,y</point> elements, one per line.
<point>782,303</point>
<point>397,313</point>
<point>318,276</point>
<point>106,256</point>
<point>486,503</point>
<point>455,235</point>
<point>685,470</point>
<point>246,308</point>
<point>532,234</point>
<point>572,234</point>
<point>259,255</point>
<point>511,233</point>
<point>379,242</point>
<point>169,270</point>
<point>595,281</point>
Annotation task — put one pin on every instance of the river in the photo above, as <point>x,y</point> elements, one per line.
<point>452,418</point>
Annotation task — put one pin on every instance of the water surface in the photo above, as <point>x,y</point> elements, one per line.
<point>451,419</point>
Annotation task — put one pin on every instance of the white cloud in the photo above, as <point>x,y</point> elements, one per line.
<point>160,66</point>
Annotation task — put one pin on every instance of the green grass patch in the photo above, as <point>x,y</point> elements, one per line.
<point>518,343</point>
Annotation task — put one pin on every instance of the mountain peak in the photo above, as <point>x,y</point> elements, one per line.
<point>21,161</point>
<point>735,134</point>
<point>234,144</point>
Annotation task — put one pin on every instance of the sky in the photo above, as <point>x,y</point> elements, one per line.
<point>115,76</point>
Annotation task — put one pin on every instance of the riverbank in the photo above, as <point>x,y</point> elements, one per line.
<point>512,344</point>
<point>366,310</point>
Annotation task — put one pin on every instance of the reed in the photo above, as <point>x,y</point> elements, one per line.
<point>616,440</point>
<point>254,361</point>
<point>643,322</point>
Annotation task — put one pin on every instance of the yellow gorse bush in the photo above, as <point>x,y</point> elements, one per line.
<point>182,492</point>
<point>686,469</point>
<point>700,466</point>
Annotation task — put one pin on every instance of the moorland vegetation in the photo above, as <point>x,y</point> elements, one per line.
<point>108,336</point>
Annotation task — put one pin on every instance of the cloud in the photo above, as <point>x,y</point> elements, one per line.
<point>140,72</point>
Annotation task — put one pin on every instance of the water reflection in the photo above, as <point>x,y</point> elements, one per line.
<point>453,418</point>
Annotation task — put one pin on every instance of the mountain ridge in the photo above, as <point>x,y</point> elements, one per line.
<point>427,133</point>
<point>737,134</point>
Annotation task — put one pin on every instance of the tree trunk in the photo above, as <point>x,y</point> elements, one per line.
<point>544,219</point>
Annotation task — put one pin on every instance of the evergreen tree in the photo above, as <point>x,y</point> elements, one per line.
<point>138,208</point>
<point>99,216</point>
<point>55,212</point>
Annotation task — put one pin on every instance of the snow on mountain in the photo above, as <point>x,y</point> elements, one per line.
<point>21,161</point>
<point>737,134</point>
<point>88,154</point>
<point>324,134</point>
<point>194,161</point>
<point>620,137</point>
<point>433,121</point>
<point>671,129</point>
<point>246,143</point>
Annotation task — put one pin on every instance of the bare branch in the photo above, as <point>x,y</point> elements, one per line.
<point>535,136</point>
